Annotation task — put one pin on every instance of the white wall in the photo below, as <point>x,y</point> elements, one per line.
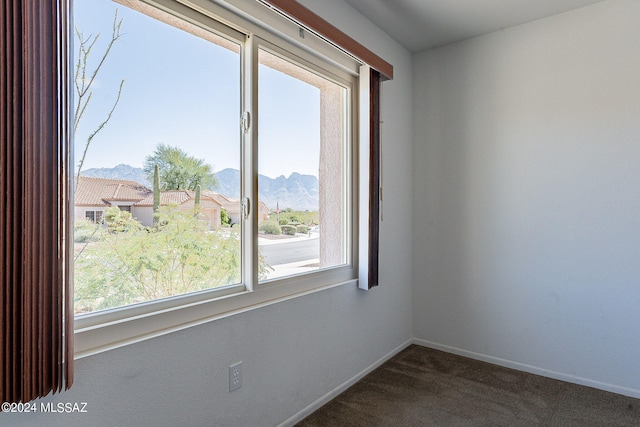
<point>293,352</point>
<point>527,209</point>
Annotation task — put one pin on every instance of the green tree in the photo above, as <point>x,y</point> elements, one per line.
<point>179,170</point>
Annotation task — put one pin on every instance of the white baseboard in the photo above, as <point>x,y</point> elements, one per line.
<point>317,404</point>
<point>530,369</point>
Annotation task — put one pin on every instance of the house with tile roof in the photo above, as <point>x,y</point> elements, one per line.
<point>233,207</point>
<point>95,195</point>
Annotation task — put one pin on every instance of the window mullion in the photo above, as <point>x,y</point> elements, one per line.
<point>250,161</point>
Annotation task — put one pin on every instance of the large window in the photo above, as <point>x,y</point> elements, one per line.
<point>233,149</point>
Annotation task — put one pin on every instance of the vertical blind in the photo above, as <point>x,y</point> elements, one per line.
<point>36,330</point>
<point>374,177</point>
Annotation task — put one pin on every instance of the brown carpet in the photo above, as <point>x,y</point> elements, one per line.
<point>425,387</point>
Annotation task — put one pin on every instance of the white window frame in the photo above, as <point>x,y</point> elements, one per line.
<point>257,25</point>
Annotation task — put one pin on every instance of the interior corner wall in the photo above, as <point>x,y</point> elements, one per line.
<point>527,204</point>
<point>295,353</point>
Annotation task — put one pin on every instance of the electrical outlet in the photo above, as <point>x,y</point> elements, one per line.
<point>235,376</point>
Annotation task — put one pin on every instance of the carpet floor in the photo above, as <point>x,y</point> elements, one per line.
<point>425,387</point>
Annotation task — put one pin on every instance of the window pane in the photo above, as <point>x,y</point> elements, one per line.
<point>179,109</point>
<point>302,168</point>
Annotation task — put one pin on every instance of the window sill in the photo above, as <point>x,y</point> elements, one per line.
<point>99,332</point>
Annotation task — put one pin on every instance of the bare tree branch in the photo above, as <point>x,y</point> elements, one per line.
<point>84,80</point>
<point>95,132</point>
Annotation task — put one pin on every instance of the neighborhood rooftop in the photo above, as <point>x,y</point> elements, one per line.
<point>102,191</point>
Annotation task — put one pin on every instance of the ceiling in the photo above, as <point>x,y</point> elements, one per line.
<point>423,24</point>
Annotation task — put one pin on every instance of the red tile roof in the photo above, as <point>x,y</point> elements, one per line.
<point>173,197</point>
<point>227,203</point>
<point>102,191</point>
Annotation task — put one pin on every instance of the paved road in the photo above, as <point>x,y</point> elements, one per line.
<point>283,253</point>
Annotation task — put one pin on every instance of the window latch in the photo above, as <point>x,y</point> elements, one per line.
<point>245,121</point>
<point>246,207</point>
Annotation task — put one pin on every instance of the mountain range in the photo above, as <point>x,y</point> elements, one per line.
<point>298,191</point>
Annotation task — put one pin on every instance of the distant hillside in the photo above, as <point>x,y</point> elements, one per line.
<point>298,192</point>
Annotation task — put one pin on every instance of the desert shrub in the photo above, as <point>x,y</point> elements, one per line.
<point>85,231</point>
<point>270,227</point>
<point>225,221</point>
<point>301,228</point>
<point>120,221</point>
<point>134,264</point>
<point>299,217</point>
<point>289,230</point>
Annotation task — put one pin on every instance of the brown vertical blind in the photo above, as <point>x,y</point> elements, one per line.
<point>35,297</point>
<point>374,176</point>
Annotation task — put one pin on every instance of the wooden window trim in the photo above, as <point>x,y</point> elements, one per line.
<point>331,33</point>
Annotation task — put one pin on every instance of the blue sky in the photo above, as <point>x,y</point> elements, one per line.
<point>184,91</point>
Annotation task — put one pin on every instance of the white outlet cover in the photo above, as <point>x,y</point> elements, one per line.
<point>235,376</point>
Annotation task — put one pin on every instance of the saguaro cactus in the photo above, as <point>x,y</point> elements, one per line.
<point>156,193</point>
<point>197,201</point>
